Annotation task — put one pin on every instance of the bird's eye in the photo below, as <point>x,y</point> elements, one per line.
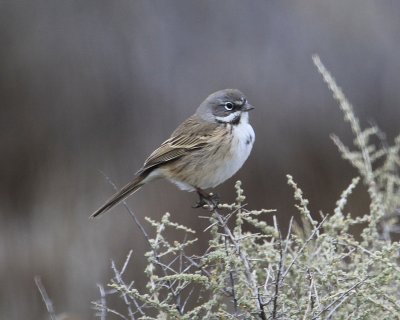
<point>229,106</point>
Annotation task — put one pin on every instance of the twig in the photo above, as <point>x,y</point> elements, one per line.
<point>118,277</point>
<point>330,314</point>
<point>360,139</point>
<point>128,258</point>
<point>147,238</point>
<point>268,272</point>
<point>247,265</point>
<point>278,278</point>
<point>98,305</point>
<point>289,233</point>
<point>232,280</point>
<point>187,299</point>
<point>103,302</point>
<point>343,295</point>
<point>304,246</point>
<point>310,304</point>
<point>317,300</point>
<point>262,305</point>
<point>45,298</point>
<point>131,213</point>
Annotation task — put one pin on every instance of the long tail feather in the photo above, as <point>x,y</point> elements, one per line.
<point>125,192</point>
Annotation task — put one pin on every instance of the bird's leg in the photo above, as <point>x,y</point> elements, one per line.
<point>212,200</point>
<point>203,196</point>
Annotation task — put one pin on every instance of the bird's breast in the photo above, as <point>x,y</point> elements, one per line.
<point>219,160</point>
<point>232,152</point>
<point>242,143</point>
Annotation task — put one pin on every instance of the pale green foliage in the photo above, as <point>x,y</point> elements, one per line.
<point>250,270</point>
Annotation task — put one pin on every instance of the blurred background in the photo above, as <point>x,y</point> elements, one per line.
<point>94,86</point>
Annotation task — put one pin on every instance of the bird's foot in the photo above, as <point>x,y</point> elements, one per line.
<point>210,200</point>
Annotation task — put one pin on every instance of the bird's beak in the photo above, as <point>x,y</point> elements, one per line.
<point>247,107</point>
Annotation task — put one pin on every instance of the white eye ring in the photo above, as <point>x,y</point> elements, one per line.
<point>229,106</point>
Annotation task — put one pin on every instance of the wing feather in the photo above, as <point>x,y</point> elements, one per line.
<point>190,135</point>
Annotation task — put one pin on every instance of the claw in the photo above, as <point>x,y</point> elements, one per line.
<point>211,200</point>
<point>199,204</point>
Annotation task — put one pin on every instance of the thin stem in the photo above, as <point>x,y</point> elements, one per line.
<point>247,265</point>
<point>304,246</point>
<point>232,280</point>
<point>45,298</point>
<point>342,296</point>
<point>147,238</point>
<point>103,302</point>
<point>278,279</point>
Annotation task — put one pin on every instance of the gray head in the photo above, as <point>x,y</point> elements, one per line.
<point>224,106</point>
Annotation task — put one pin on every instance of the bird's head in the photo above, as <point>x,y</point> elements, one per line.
<point>224,106</point>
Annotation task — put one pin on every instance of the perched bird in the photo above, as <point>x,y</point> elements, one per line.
<point>205,150</point>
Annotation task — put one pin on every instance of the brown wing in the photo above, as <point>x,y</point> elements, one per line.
<point>190,135</point>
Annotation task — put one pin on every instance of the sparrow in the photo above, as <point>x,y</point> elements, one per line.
<point>205,150</point>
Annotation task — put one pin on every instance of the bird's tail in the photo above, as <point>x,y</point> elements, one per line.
<point>122,194</point>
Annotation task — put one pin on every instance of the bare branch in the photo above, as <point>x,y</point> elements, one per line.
<point>278,278</point>
<point>247,265</point>
<point>103,302</point>
<point>316,229</point>
<point>45,298</point>
<point>342,296</point>
<point>147,237</point>
<point>100,306</point>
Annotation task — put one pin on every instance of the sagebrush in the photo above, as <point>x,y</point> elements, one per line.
<point>316,270</point>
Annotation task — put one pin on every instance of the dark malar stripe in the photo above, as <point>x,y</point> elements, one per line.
<point>234,122</point>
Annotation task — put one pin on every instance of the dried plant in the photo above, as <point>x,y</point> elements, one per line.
<point>250,270</point>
